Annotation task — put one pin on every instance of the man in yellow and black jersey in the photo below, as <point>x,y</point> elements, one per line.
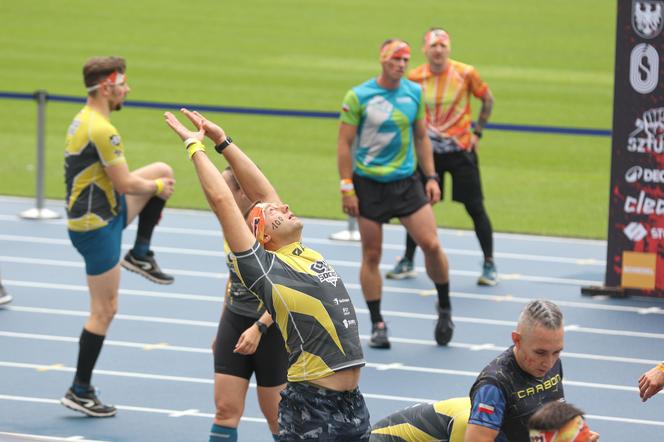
<point>103,197</point>
<point>302,292</point>
<point>246,345</point>
<point>443,421</point>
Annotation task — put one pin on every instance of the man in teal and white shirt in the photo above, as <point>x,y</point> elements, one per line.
<point>382,140</point>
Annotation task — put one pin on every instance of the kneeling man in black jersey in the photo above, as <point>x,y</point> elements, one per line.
<point>520,380</point>
<point>302,292</point>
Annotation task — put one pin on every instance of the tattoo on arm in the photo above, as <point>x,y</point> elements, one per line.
<point>485,112</point>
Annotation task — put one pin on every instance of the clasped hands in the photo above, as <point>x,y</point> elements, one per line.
<point>205,127</point>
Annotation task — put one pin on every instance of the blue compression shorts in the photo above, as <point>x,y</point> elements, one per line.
<point>100,248</point>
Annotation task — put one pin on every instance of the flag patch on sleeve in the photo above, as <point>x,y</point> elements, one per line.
<point>484,408</point>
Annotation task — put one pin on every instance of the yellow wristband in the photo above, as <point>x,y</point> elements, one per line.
<point>195,147</point>
<point>660,366</point>
<point>189,141</point>
<point>160,186</point>
<point>348,192</point>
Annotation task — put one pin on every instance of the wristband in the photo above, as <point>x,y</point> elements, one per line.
<point>195,147</point>
<point>223,145</point>
<point>478,133</point>
<point>436,178</point>
<point>160,186</point>
<point>189,141</point>
<point>347,188</point>
<point>660,367</point>
<point>261,327</point>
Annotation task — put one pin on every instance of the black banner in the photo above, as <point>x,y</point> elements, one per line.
<point>635,255</point>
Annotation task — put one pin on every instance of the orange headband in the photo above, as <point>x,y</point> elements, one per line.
<point>395,49</point>
<point>257,222</point>
<point>114,78</point>
<point>437,36</point>
<point>576,430</point>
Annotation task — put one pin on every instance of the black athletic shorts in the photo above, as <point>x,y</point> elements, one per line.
<point>309,412</point>
<point>381,202</point>
<point>269,362</point>
<point>465,170</point>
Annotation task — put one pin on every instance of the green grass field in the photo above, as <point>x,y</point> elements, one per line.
<point>547,63</point>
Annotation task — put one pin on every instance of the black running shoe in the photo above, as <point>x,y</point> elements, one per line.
<point>379,336</point>
<point>87,403</point>
<point>147,267</point>
<point>444,327</point>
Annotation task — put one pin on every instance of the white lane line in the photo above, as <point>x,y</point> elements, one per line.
<point>7,437</point>
<point>255,419</point>
<point>338,224</point>
<point>139,318</point>
<point>309,241</point>
<point>386,289</point>
<point>431,343</point>
<point>167,412</point>
<point>625,420</point>
<point>336,263</point>
<point>79,264</point>
<point>126,292</point>
<point>389,313</point>
<point>395,366</point>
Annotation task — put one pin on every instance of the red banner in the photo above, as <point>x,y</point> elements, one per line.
<point>635,255</point>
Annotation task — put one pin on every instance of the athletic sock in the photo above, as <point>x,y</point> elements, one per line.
<point>275,436</point>
<point>374,311</point>
<point>411,245</point>
<point>89,347</point>
<point>147,220</point>
<point>444,295</point>
<point>223,434</point>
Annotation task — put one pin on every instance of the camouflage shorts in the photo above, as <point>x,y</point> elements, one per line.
<point>308,412</point>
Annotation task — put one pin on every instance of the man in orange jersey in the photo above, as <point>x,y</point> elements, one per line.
<point>446,87</point>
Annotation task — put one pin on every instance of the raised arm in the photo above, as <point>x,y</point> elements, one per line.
<point>217,193</point>
<point>252,180</point>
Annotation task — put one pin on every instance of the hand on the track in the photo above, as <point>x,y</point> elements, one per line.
<point>432,190</point>
<point>181,130</point>
<point>212,130</point>
<point>248,342</point>
<point>650,383</point>
<point>594,437</point>
<point>350,205</point>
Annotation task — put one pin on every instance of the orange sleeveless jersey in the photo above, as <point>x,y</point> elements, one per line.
<point>447,98</point>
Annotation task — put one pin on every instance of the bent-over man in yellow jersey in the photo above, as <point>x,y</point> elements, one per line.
<point>443,421</point>
<point>302,292</point>
<point>103,197</point>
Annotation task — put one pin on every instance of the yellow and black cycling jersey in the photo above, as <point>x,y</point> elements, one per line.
<point>443,421</point>
<point>310,305</point>
<point>92,144</point>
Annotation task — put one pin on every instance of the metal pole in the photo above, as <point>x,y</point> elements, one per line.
<point>40,212</point>
<point>350,234</point>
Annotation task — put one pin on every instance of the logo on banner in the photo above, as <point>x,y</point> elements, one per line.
<point>647,17</point>
<point>638,173</point>
<point>644,205</point>
<point>648,135</point>
<point>635,231</point>
<point>638,270</point>
<point>644,68</point>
